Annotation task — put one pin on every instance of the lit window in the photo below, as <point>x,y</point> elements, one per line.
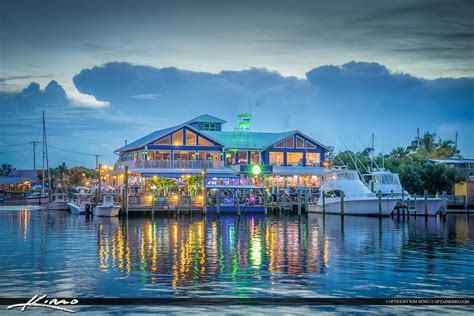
<point>178,138</point>
<point>254,157</point>
<point>312,159</point>
<point>191,138</point>
<point>299,142</point>
<point>204,142</point>
<point>294,159</point>
<point>276,158</point>
<point>289,142</point>
<point>310,145</point>
<point>280,144</point>
<point>230,158</point>
<point>242,158</point>
<point>164,141</point>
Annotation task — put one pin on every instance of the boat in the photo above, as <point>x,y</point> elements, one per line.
<point>358,199</point>
<point>58,202</point>
<point>389,185</point>
<point>81,205</point>
<point>107,207</point>
<point>36,198</point>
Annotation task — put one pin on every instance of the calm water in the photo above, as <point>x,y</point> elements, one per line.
<point>47,252</point>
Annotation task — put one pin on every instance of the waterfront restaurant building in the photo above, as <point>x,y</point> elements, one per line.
<point>285,159</point>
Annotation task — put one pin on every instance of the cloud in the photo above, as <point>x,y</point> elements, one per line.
<point>124,101</point>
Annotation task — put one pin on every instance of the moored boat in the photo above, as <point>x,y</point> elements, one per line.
<point>358,199</point>
<point>107,207</point>
<point>81,205</point>
<point>389,185</point>
<point>58,202</point>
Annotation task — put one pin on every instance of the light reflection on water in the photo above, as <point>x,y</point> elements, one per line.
<point>63,255</point>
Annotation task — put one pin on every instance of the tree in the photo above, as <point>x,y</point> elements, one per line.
<point>192,184</point>
<point>6,169</point>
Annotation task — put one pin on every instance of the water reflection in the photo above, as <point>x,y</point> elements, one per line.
<point>250,256</point>
<point>192,249</point>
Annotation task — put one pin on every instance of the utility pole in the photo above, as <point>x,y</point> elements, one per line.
<point>456,143</point>
<point>34,154</point>
<point>97,161</point>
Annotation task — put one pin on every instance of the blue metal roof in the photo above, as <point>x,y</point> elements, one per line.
<point>205,118</point>
<point>248,140</point>
<point>148,138</point>
<point>12,180</point>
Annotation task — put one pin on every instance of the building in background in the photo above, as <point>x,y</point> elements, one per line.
<point>229,157</point>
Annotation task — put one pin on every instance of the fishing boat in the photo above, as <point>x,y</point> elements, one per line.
<point>389,185</point>
<point>358,199</point>
<point>107,207</point>
<point>36,198</point>
<point>58,202</point>
<point>81,205</point>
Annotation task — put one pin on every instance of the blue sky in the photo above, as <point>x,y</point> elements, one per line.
<point>122,69</point>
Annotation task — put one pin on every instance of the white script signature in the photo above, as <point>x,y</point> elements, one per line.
<point>41,301</point>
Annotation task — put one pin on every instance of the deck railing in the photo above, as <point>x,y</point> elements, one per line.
<point>172,164</point>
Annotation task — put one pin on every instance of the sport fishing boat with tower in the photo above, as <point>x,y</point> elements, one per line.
<point>389,185</point>
<point>357,199</point>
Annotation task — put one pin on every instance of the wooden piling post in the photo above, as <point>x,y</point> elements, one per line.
<point>379,196</point>
<point>125,195</point>
<point>306,201</point>
<point>264,197</point>
<point>299,201</point>
<point>218,201</point>
<point>237,197</point>
<point>342,203</point>
<point>414,203</point>
<point>99,185</point>
<point>445,208</point>
<point>204,191</point>
<point>177,204</point>
<point>153,205</point>
<point>425,193</point>
<point>324,202</point>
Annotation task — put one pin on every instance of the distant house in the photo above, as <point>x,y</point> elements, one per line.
<point>464,164</point>
<point>288,157</point>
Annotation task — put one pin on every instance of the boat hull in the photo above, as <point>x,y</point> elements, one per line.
<point>106,211</point>
<point>57,206</point>
<point>75,209</point>
<point>363,207</point>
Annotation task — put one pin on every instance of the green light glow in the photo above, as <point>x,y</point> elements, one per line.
<point>256,170</point>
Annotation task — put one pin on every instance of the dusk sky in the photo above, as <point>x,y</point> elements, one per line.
<point>106,71</point>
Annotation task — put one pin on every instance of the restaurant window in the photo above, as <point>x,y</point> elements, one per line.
<point>184,155</point>
<point>191,138</point>
<point>299,142</point>
<point>158,155</point>
<point>289,142</point>
<point>312,159</point>
<point>164,141</point>
<point>310,145</point>
<point>254,157</point>
<point>209,127</point>
<point>230,158</point>
<point>204,142</point>
<point>206,155</point>
<point>242,158</point>
<point>276,158</point>
<point>280,144</point>
<point>294,159</point>
<point>178,138</point>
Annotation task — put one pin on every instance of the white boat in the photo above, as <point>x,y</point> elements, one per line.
<point>358,199</point>
<point>58,202</point>
<point>389,185</point>
<point>107,207</point>
<point>81,204</point>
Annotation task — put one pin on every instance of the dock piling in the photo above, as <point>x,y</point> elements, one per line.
<point>342,203</point>
<point>444,211</point>
<point>237,197</point>
<point>125,194</point>
<point>324,202</point>
<point>425,193</point>
<point>379,196</point>
<point>218,201</point>
<point>299,201</point>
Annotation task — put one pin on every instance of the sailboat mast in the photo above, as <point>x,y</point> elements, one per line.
<point>42,168</point>
<point>47,158</point>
